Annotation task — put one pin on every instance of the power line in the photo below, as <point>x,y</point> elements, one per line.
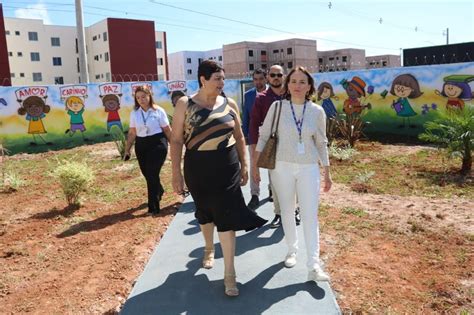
<point>265,27</point>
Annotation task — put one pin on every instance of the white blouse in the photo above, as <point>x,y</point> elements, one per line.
<point>313,134</point>
<point>150,122</point>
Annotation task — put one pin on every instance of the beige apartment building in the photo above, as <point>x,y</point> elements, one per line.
<point>383,61</point>
<point>341,60</point>
<point>240,59</point>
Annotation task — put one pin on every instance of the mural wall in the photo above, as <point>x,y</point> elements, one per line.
<point>40,118</point>
<point>395,101</point>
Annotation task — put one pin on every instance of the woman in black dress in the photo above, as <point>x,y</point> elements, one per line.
<point>215,167</point>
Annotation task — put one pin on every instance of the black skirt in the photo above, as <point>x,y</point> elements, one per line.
<point>213,179</point>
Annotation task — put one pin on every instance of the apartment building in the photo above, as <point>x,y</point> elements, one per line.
<point>48,54</point>
<point>183,65</point>
<point>240,59</point>
<point>4,65</point>
<point>382,61</point>
<point>341,60</point>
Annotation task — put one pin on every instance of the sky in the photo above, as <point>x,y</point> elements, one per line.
<point>379,27</point>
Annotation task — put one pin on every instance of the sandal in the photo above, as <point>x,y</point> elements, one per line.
<point>230,285</point>
<point>208,260</point>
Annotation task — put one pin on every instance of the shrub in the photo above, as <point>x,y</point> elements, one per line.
<point>12,181</point>
<point>74,178</point>
<point>341,154</point>
<point>351,127</point>
<point>120,140</point>
<point>453,131</point>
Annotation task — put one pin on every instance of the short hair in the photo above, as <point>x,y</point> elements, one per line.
<point>177,93</point>
<point>259,71</point>
<point>206,69</point>
<point>310,82</point>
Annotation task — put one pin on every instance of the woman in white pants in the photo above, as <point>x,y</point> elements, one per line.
<point>302,144</point>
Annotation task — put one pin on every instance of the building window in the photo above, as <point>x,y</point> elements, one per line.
<point>275,51</point>
<point>57,61</point>
<point>55,41</point>
<point>100,56</point>
<point>331,58</point>
<point>96,57</point>
<point>251,67</point>
<point>107,76</point>
<point>7,32</point>
<point>290,64</point>
<point>19,54</point>
<point>289,51</point>
<point>159,44</point>
<point>10,54</point>
<point>190,71</point>
<point>104,36</point>
<point>106,56</point>
<point>33,36</point>
<point>220,58</point>
<point>320,60</point>
<point>35,56</point>
<point>384,63</point>
<point>263,53</point>
<point>188,60</point>
<point>200,60</point>
<point>12,75</point>
<point>22,75</point>
<point>344,58</point>
<point>159,61</point>
<point>250,53</point>
<point>94,37</point>
<point>58,80</point>
<point>37,77</point>
<point>17,33</point>
<point>97,76</point>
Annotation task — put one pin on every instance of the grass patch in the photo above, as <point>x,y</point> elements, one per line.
<point>424,172</point>
<point>354,211</point>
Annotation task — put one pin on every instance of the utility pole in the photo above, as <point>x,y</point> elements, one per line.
<point>447,36</point>
<point>81,43</point>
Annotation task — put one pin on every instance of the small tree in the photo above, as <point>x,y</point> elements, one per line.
<point>455,132</point>
<point>120,140</point>
<point>74,178</point>
<point>351,127</point>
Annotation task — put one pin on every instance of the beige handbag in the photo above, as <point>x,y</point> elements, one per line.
<point>267,157</point>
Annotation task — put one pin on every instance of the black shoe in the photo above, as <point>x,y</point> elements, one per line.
<point>254,203</point>
<point>276,223</point>
<point>270,195</point>
<point>154,207</point>
<point>297,216</point>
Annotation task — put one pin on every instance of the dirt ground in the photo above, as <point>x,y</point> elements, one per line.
<point>386,254</point>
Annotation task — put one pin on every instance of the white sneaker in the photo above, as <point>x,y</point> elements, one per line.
<point>317,274</point>
<point>290,260</point>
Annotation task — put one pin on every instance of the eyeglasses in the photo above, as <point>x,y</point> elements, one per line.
<point>272,75</point>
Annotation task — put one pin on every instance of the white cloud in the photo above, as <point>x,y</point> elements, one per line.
<point>34,11</point>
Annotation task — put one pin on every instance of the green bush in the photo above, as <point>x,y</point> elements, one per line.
<point>453,131</point>
<point>74,178</point>
<point>120,140</point>
<point>341,154</point>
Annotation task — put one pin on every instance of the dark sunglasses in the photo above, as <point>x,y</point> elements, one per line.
<point>272,75</point>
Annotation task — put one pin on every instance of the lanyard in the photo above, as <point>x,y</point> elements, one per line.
<point>299,123</point>
<point>143,116</point>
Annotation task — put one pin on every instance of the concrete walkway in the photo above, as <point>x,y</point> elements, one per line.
<point>174,281</point>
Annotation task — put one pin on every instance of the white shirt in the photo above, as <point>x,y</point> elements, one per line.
<point>313,134</point>
<point>150,122</point>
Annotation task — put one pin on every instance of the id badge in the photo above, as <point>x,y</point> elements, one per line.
<point>300,147</point>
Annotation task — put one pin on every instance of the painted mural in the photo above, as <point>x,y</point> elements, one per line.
<point>395,101</point>
<point>41,118</point>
